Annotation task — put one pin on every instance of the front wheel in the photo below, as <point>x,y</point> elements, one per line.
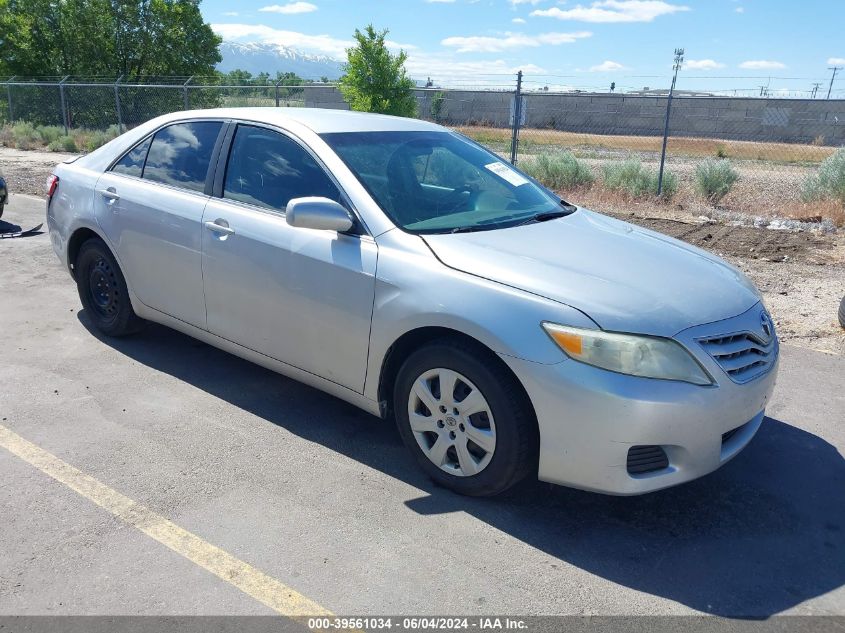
<point>465,418</point>
<point>102,290</point>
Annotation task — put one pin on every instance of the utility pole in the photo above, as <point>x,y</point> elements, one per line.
<point>835,70</point>
<point>816,87</point>
<point>679,61</point>
<point>517,115</point>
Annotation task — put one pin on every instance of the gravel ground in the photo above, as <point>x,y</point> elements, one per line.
<point>800,273</point>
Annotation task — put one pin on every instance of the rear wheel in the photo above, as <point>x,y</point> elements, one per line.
<point>102,290</point>
<point>465,418</point>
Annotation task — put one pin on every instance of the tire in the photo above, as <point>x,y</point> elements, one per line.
<point>842,312</point>
<point>506,430</point>
<point>102,290</point>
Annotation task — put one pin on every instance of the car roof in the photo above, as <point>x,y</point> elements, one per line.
<point>318,120</point>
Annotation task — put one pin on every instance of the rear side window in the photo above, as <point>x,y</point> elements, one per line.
<point>132,163</point>
<point>268,169</point>
<point>180,154</point>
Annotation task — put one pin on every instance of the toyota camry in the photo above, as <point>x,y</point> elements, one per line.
<point>402,267</point>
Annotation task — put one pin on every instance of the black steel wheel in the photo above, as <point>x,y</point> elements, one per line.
<point>102,290</point>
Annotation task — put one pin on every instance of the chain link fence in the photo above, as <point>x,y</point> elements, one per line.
<point>723,154</point>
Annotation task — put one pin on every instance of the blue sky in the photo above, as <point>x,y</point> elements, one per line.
<point>730,44</point>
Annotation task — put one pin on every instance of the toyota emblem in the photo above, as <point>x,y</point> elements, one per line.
<point>766,325</point>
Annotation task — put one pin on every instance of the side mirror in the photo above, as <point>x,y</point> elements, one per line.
<point>318,213</point>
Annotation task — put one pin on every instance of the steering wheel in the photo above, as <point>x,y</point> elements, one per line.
<point>454,199</point>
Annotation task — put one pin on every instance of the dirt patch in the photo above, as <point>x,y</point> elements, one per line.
<point>745,242</point>
<point>26,171</point>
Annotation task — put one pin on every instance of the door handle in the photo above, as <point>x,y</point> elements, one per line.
<point>219,228</point>
<point>109,194</point>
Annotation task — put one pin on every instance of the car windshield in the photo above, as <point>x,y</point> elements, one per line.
<point>440,182</point>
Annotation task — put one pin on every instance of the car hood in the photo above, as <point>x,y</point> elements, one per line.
<point>624,277</point>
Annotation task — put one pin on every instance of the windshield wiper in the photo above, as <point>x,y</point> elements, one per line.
<point>547,215</point>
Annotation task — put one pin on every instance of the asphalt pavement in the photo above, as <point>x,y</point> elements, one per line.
<point>312,494</point>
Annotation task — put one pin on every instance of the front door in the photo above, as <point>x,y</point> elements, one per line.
<point>301,296</point>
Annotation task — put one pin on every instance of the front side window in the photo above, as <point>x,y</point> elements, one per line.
<point>180,154</point>
<point>132,163</point>
<point>437,182</point>
<point>268,169</point>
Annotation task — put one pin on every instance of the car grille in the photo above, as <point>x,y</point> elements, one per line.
<point>646,459</point>
<point>743,356</point>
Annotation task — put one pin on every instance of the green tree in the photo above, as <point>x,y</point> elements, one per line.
<point>375,80</point>
<point>132,38</point>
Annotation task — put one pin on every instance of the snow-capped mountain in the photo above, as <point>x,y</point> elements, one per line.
<point>257,57</point>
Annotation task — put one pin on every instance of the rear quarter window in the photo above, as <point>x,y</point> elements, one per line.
<point>132,163</point>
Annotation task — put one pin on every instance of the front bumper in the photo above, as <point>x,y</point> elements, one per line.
<point>589,418</point>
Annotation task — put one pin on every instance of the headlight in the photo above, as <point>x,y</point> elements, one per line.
<point>636,355</point>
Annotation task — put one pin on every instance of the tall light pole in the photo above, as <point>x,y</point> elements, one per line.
<point>679,60</point>
<point>835,70</point>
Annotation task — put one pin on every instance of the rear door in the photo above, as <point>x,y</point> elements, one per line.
<point>150,206</point>
<point>301,296</point>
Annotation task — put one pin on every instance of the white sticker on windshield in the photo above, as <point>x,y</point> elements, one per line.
<point>506,173</point>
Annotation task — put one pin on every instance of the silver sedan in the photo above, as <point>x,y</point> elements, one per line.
<point>402,267</point>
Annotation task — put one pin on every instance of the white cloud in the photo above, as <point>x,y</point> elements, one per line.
<point>702,64</point>
<point>441,1</point>
<point>517,2</point>
<point>614,11</point>
<point>606,67</point>
<point>762,64</point>
<point>739,10</point>
<point>836,61</point>
<point>291,8</point>
<point>446,71</point>
<point>485,44</point>
<point>230,13</point>
<point>518,21</point>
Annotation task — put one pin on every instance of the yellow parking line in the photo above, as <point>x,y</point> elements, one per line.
<point>234,571</point>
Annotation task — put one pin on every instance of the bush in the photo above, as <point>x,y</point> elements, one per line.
<point>559,171</point>
<point>49,133</point>
<point>24,135</point>
<point>630,177</point>
<point>63,144</point>
<point>95,140</point>
<point>714,179</point>
<point>828,181</point>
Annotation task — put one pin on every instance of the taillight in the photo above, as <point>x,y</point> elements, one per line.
<point>52,183</point>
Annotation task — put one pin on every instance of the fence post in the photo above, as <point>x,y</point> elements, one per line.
<point>185,91</point>
<point>277,92</point>
<point>517,115</point>
<point>679,59</point>
<point>65,120</point>
<point>9,95</point>
<point>117,105</point>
